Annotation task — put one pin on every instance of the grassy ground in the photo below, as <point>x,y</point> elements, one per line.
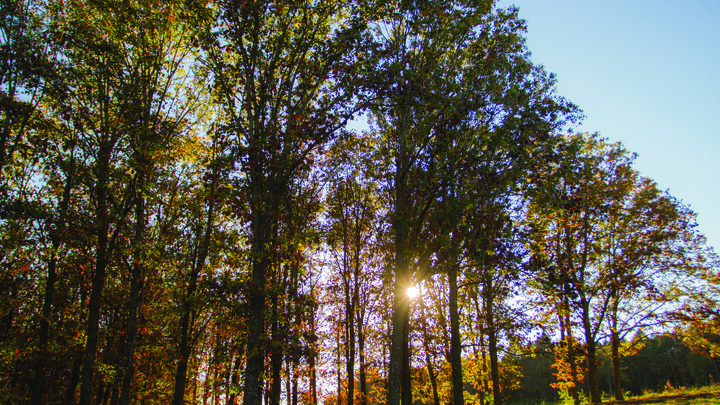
<point>704,395</point>
<point>680,396</point>
<point>671,396</point>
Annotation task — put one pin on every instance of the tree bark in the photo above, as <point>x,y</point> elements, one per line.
<point>591,357</point>
<point>256,322</point>
<point>428,360</point>
<point>616,366</point>
<point>189,312</point>
<point>350,341</point>
<point>492,339</point>
<point>361,353</point>
<point>338,367</point>
<point>185,348</point>
<point>234,377</point>
<point>74,380</point>
<point>401,304</point>
<point>312,356</point>
<point>136,286</point>
<point>102,255</point>
<point>276,355</point>
<point>615,347</point>
<point>455,343</point>
<point>406,394</point>
<point>573,368</point>
<point>38,385</point>
<point>400,308</point>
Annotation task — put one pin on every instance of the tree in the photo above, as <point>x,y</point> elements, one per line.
<point>579,191</point>
<point>352,212</point>
<point>284,78</point>
<point>610,240</point>
<point>648,236</point>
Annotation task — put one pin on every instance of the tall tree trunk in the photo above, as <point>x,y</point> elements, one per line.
<point>355,314</point>
<point>189,312</point>
<point>569,342</point>
<point>406,394</point>
<point>288,380</point>
<point>295,392</point>
<point>440,307</point>
<point>312,358</point>
<point>401,304</point>
<point>481,356</point>
<point>398,343</point>
<point>102,255</point>
<point>74,380</point>
<point>428,359</point>
<point>361,353</point>
<point>590,353</point>
<point>338,367</point>
<point>38,385</point>
<point>484,356</point>
<point>350,343</point>
<point>276,355</point>
<point>455,344</point>
<point>252,394</point>
<point>136,286</point>
<point>185,348</point>
<point>492,339</point>
<point>615,343</point>
<point>234,377</point>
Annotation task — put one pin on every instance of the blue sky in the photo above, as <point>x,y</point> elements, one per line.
<point>646,73</point>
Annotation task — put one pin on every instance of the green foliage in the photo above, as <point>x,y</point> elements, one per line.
<point>185,210</point>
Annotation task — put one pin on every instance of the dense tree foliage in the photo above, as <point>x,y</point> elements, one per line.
<point>228,201</point>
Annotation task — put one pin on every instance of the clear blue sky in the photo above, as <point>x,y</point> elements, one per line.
<point>646,73</point>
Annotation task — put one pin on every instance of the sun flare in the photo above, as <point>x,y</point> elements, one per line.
<point>413,292</point>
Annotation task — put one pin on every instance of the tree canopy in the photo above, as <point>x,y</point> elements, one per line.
<point>229,201</point>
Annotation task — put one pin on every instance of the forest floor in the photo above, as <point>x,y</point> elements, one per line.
<point>677,396</point>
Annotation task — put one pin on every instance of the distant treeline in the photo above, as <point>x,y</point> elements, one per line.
<point>661,362</point>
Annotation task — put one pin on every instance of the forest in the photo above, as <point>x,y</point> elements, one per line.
<point>324,202</point>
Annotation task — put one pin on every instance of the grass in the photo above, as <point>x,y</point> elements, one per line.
<point>709,395</point>
<point>677,396</point>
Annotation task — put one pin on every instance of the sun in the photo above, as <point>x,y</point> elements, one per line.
<point>413,292</point>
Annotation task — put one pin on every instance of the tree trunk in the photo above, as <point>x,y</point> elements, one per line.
<point>428,359</point>
<point>186,342</point>
<point>189,312</point>
<point>102,253</point>
<point>406,394</point>
<point>74,380</point>
<point>350,344</point>
<point>401,304</point>
<point>455,344</point>
<point>252,393</point>
<point>288,380</point>
<point>338,367</point>
<point>185,349</point>
<point>234,377</point>
<point>136,286</point>
<point>616,366</point>
<point>276,355</point>
<point>400,308</point>
<point>38,385</point>
<point>312,357</point>
<point>492,339</point>
<point>615,343</point>
<point>361,353</point>
<point>591,358</point>
<point>569,343</point>
<point>397,349</point>
<point>295,392</point>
